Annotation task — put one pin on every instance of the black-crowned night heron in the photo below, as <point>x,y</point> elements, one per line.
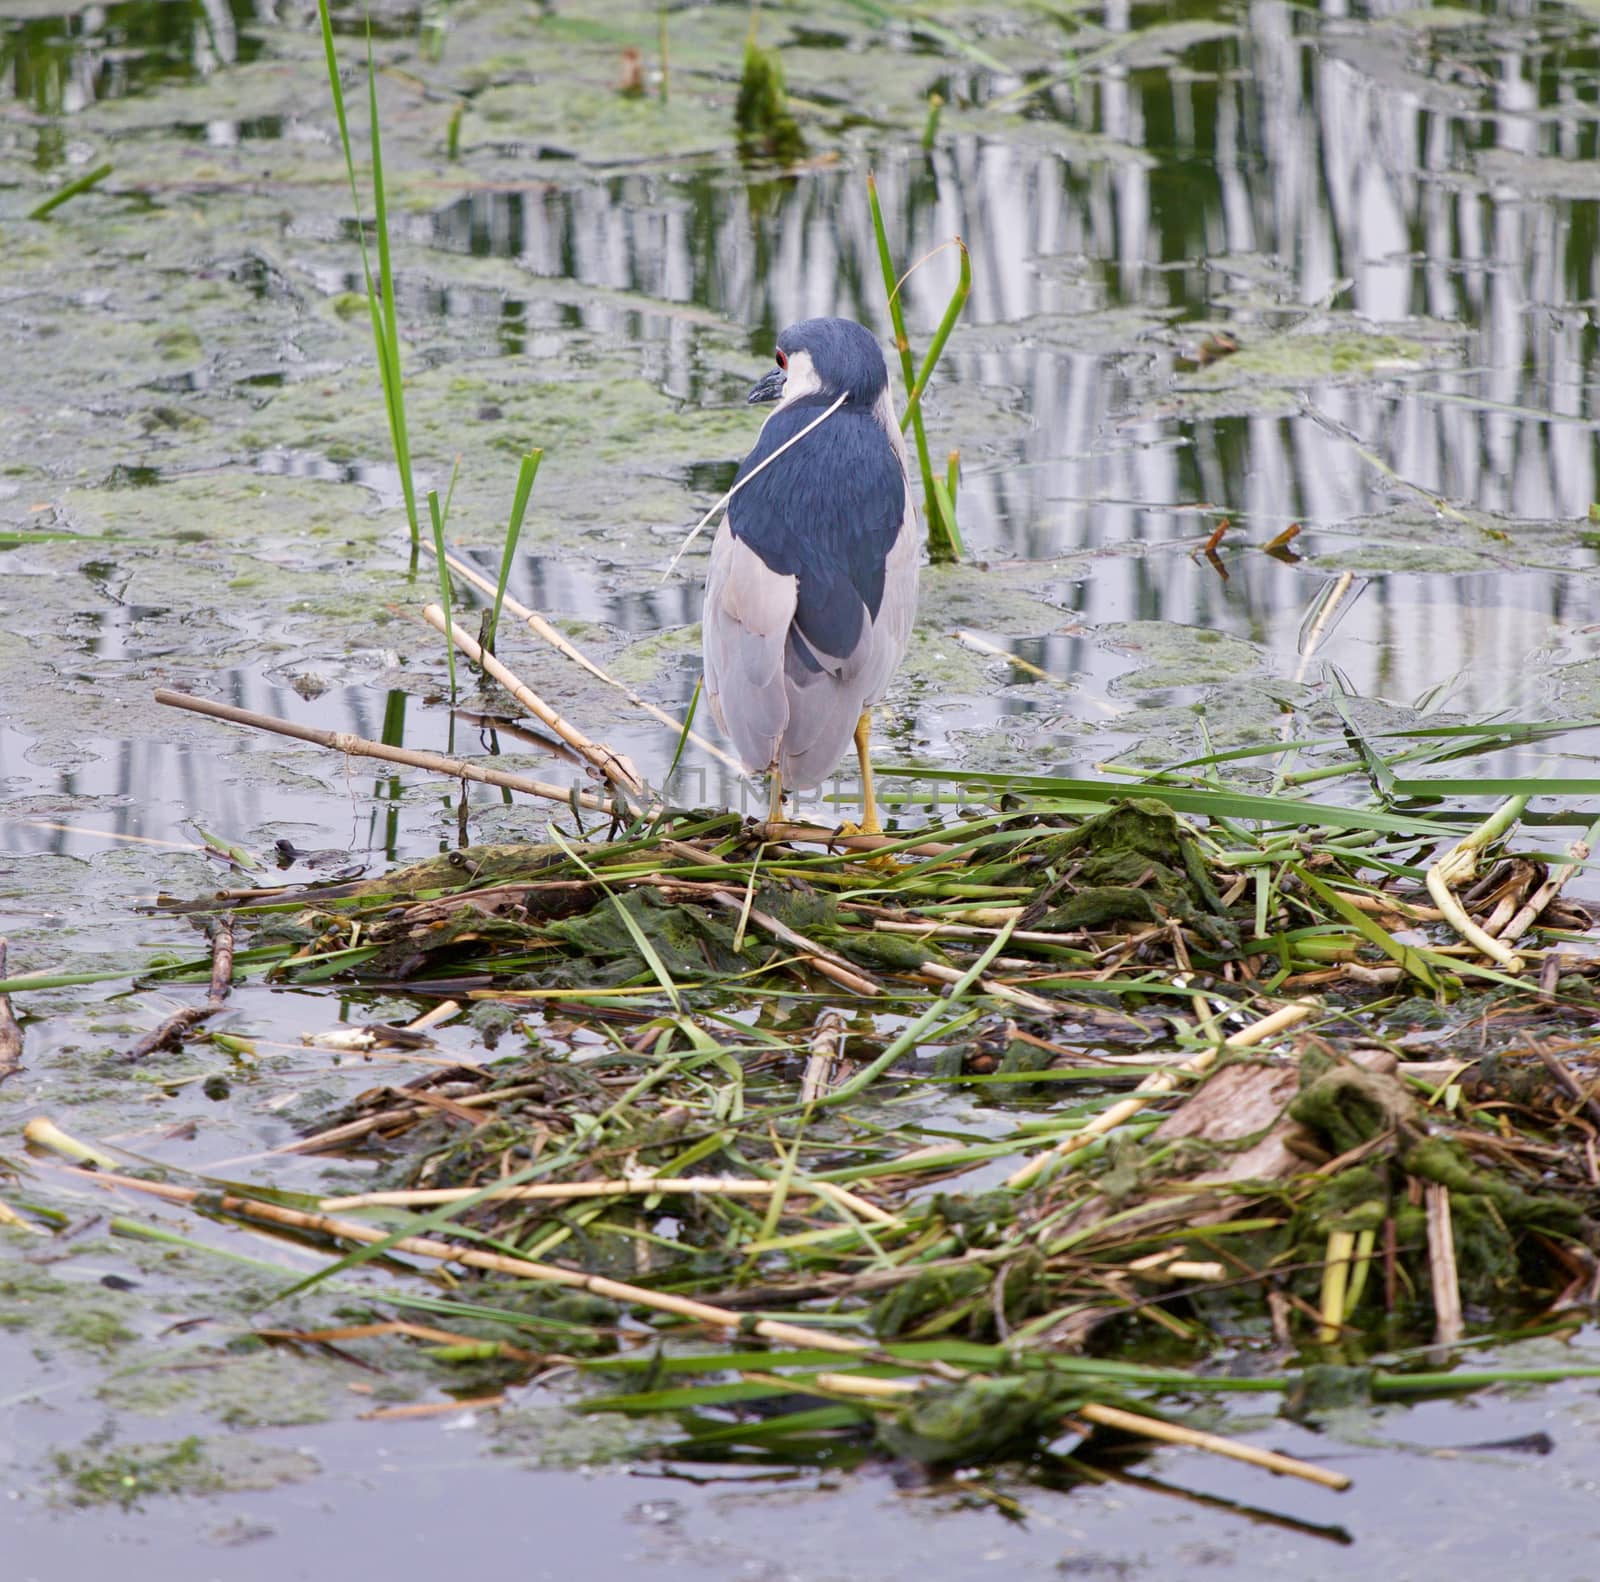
<point>813,579</point>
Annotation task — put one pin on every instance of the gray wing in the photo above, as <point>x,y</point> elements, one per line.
<point>744,638</point>
<point>827,693</point>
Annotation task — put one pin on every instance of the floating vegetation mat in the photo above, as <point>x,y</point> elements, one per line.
<point>931,1148</point>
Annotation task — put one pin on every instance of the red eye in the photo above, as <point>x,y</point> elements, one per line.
<point>783,362</point>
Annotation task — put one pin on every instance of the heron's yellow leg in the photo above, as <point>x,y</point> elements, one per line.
<point>869,802</point>
<point>775,798</point>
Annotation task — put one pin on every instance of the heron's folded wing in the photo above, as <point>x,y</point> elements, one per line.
<point>826,510</point>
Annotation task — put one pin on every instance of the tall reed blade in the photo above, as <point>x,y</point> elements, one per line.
<point>437,517</point>
<point>528,471</point>
<point>944,538</point>
<point>385,330</point>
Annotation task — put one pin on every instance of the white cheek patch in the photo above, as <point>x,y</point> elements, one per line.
<point>800,379</point>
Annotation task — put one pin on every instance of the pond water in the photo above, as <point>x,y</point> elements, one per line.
<point>1394,213</point>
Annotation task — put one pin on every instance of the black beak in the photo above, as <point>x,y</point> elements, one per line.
<point>768,388</point>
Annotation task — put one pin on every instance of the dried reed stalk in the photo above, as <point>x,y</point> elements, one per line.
<point>661,1301</point>
<point>476,1258</point>
<point>1534,906</point>
<point>362,747</point>
<point>827,962</point>
<point>827,1040</point>
<point>469,769</point>
<point>1442,1276</point>
<point>541,628</point>
<point>937,972</point>
<point>612,766</point>
<point>1176,1434</point>
<point>1458,866</point>
<point>627,1186</point>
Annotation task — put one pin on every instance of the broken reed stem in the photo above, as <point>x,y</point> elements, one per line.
<point>1533,908</point>
<point>10,1030</point>
<point>468,769</point>
<point>937,972</point>
<point>43,1132</point>
<point>362,747</point>
<point>1442,1275</point>
<point>827,1041</point>
<point>1458,865</point>
<point>627,1186</point>
<point>541,628</point>
<point>611,765</point>
<point>1123,1421</point>
<point>1335,1285</point>
<point>1171,1265</point>
<point>476,1258</point>
<point>1158,1083</point>
<point>1175,1434</point>
<point>216,994</point>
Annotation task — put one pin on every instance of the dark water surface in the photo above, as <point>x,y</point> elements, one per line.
<point>1394,213</point>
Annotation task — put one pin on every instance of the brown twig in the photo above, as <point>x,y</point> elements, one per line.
<point>186,1017</point>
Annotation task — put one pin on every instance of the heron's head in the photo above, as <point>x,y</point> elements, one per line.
<point>826,357</point>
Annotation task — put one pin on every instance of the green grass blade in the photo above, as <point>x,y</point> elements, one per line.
<point>385,335</point>
<point>1515,786</point>
<point>71,190</point>
<point>910,1037</point>
<point>1403,956</point>
<point>445,591</point>
<point>641,940</point>
<point>936,346</point>
<point>528,471</point>
<point>1193,799</point>
<point>938,541</point>
<point>683,735</point>
<point>947,517</point>
<point>393,389</point>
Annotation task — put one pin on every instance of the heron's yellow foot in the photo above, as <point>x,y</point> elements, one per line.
<point>869,824</point>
